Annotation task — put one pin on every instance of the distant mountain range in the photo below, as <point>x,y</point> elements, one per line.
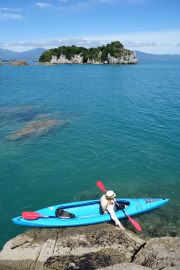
<point>31,55</point>
<point>34,54</point>
<point>157,57</point>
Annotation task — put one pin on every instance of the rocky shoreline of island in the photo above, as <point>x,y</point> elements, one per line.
<point>113,53</point>
<point>91,247</point>
<point>78,59</point>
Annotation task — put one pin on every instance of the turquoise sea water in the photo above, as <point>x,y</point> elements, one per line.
<point>122,126</point>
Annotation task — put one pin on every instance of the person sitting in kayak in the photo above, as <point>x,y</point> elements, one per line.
<point>108,202</point>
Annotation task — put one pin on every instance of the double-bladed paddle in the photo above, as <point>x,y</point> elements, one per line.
<point>133,222</point>
<point>35,215</point>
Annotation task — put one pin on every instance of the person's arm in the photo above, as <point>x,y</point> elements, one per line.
<point>110,210</point>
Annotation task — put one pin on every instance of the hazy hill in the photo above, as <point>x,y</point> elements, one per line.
<point>157,57</point>
<point>30,55</point>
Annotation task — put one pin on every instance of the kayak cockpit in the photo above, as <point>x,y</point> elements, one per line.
<point>87,210</point>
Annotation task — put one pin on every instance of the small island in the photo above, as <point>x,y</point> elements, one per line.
<point>18,63</point>
<point>113,53</point>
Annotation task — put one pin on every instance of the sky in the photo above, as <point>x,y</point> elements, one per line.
<point>151,26</point>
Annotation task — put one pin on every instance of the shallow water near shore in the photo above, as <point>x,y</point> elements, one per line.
<point>122,126</point>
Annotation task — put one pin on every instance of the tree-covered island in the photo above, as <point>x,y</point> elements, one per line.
<point>113,53</point>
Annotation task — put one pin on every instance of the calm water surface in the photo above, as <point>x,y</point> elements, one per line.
<point>122,126</point>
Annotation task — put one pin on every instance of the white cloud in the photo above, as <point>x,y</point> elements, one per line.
<point>52,43</point>
<point>73,6</point>
<point>5,9</point>
<point>130,43</point>
<point>91,3</point>
<point>42,5</point>
<point>10,16</point>
<point>152,42</point>
<point>81,5</point>
<point>10,13</point>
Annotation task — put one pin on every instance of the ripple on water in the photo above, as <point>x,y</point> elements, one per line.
<point>122,127</point>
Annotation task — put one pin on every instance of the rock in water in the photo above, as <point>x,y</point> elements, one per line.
<point>36,128</point>
<point>19,63</point>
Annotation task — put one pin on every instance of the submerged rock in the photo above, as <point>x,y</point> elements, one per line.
<point>36,128</point>
<point>19,113</point>
<point>17,109</point>
<point>27,113</point>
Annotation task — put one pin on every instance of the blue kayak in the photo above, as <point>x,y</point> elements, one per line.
<point>87,212</point>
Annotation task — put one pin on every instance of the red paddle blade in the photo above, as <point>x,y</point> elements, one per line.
<point>101,186</point>
<point>31,215</point>
<point>135,224</point>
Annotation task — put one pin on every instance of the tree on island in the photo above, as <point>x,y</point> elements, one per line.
<point>99,54</point>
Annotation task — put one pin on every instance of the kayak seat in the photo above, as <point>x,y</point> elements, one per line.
<point>123,202</point>
<point>120,205</point>
<point>60,213</point>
